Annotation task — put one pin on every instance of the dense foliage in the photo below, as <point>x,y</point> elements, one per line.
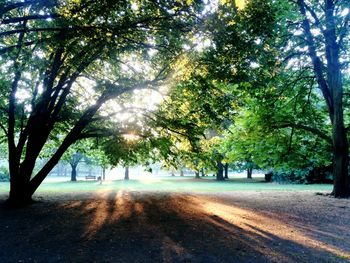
<point>257,84</point>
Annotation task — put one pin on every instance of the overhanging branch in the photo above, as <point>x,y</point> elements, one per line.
<point>299,126</point>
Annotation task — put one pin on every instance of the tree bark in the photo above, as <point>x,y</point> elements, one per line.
<point>103,173</point>
<point>249,172</point>
<point>334,79</point>
<point>73,176</point>
<point>19,193</point>
<point>226,170</point>
<point>31,184</point>
<point>196,169</point>
<point>196,175</point>
<point>220,171</point>
<point>341,187</point>
<point>126,174</point>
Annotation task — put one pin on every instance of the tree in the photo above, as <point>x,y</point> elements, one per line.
<point>74,161</point>
<point>326,48</point>
<point>195,109</point>
<point>127,150</point>
<point>253,141</point>
<point>251,53</point>
<point>77,153</point>
<point>99,158</point>
<point>56,52</point>
<point>226,170</point>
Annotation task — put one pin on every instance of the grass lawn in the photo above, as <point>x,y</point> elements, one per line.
<point>171,184</point>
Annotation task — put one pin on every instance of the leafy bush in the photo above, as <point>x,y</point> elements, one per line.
<point>307,175</point>
<point>288,176</point>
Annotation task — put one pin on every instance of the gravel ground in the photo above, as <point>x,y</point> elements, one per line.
<point>254,226</point>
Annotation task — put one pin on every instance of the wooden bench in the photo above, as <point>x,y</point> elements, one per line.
<point>90,177</point>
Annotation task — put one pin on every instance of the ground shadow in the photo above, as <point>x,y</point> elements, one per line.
<point>133,227</point>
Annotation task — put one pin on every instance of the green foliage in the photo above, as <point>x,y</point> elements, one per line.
<point>62,61</point>
<point>314,173</point>
<point>250,97</point>
<point>281,122</point>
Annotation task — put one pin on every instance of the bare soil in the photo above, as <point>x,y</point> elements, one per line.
<point>178,227</point>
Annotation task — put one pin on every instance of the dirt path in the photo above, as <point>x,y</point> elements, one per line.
<point>168,227</point>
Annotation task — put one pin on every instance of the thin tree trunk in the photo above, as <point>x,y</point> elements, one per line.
<point>249,172</point>
<point>126,175</point>
<point>196,172</point>
<point>103,173</point>
<point>226,170</point>
<point>73,176</point>
<point>196,175</point>
<point>220,171</point>
<point>202,172</point>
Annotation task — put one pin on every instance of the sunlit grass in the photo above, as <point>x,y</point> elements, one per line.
<point>172,184</point>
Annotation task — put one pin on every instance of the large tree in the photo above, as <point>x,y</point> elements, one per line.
<point>325,34</point>
<point>258,46</point>
<point>61,61</point>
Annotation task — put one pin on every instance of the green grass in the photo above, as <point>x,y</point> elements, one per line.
<point>173,184</point>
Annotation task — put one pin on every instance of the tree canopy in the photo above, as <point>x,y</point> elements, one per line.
<point>259,83</point>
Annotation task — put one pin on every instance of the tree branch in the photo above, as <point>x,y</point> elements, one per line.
<point>313,130</point>
<point>343,32</point>
<point>316,61</point>
<point>315,17</point>
<point>26,18</point>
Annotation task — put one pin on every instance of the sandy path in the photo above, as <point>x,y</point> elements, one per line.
<point>167,227</point>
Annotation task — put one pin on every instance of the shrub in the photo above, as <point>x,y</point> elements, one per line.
<point>307,175</point>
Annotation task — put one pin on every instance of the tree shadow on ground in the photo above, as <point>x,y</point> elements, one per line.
<point>323,219</point>
<point>133,227</point>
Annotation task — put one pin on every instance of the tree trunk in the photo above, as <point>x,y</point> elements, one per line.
<point>23,185</point>
<point>220,171</point>
<point>202,172</point>
<point>19,194</point>
<point>181,172</point>
<point>249,172</point>
<point>334,79</point>
<point>196,175</point>
<point>103,173</point>
<point>341,186</point>
<point>332,90</point>
<point>126,175</point>
<point>226,170</point>
<point>73,176</point>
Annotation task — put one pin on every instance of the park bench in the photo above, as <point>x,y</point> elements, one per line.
<point>90,177</point>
